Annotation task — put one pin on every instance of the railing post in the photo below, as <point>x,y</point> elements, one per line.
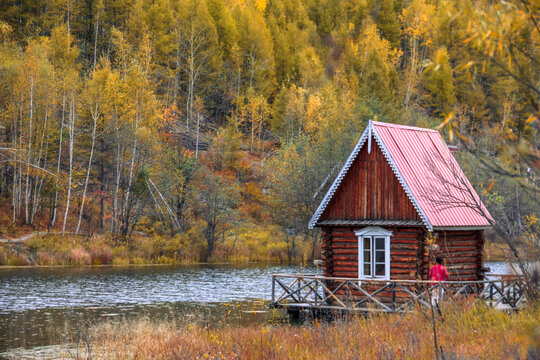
<point>273,289</point>
<point>393,296</point>
<point>348,294</point>
<point>316,291</point>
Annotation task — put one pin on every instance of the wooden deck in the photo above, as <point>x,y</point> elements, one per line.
<point>296,292</point>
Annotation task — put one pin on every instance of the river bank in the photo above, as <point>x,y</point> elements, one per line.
<point>53,249</point>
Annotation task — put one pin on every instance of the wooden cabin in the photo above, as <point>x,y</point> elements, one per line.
<point>400,200</point>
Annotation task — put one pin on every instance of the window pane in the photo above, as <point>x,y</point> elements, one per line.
<point>367,243</point>
<point>379,270</point>
<point>367,269</point>
<point>379,243</point>
<point>379,256</point>
<point>367,256</point>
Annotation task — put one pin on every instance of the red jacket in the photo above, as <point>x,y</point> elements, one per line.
<point>438,273</point>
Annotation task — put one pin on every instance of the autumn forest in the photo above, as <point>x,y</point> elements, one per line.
<point>209,130</point>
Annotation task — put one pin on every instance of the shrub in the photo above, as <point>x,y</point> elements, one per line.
<point>120,251</point>
<point>101,254</point>
<point>165,260</point>
<point>120,260</point>
<point>144,247</point>
<point>62,257</point>
<point>137,260</point>
<point>7,226</point>
<point>17,260</point>
<point>79,256</point>
<point>44,258</point>
<point>5,253</point>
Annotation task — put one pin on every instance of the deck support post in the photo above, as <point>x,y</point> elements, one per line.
<point>316,292</point>
<point>273,289</point>
<point>393,296</point>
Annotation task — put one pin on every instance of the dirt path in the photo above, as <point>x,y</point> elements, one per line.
<point>27,237</point>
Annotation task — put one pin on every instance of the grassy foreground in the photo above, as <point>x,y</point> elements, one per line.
<point>464,332</point>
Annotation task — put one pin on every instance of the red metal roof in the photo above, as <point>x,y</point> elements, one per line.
<point>433,176</point>
<point>429,173</point>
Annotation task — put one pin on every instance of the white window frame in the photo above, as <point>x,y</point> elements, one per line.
<point>373,232</point>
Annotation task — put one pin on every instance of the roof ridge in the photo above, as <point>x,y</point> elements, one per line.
<point>403,155</point>
<point>405,127</point>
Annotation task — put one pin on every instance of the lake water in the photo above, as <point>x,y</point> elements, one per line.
<point>44,306</point>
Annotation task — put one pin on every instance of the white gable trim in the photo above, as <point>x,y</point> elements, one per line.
<point>339,178</point>
<point>401,180</point>
<point>370,130</point>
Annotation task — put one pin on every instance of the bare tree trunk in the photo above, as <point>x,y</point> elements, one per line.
<point>125,205</point>
<point>197,141</point>
<point>29,150</point>
<point>35,198</point>
<point>16,155</point>
<point>55,207</point>
<point>171,213</point>
<point>95,39</point>
<point>191,73</point>
<point>239,78</point>
<point>94,125</point>
<point>102,188</point>
<point>411,73</point>
<point>71,140</point>
<point>252,133</point>
<point>117,186</point>
<point>14,191</point>
<point>259,130</point>
<point>21,135</point>
<point>162,215</point>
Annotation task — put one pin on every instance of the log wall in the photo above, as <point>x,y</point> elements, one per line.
<point>410,257</point>
<point>370,191</point>
<point>462,252</point>
<point>340,252</point>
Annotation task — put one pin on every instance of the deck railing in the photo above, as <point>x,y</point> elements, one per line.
<point>296,292</point>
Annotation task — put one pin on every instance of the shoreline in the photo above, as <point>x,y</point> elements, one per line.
<point>145,265</point>
<point>173,265</point>
<point>49,250</point>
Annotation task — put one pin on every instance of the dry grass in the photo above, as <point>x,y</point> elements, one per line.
<point>79,256</point>
<point>464,332</point>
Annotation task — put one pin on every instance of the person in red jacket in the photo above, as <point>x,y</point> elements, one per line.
<point>438,273</point>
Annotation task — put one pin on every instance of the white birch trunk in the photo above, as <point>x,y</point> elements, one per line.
<point>71,140</point>
<point>37,189</point>
<point>131,167</point>
<point>115,199</point>
<point>412,73</point>
<point>94,125</point>
<point>197,141</point>
<point>29,150</point>
<point>55,207</point>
